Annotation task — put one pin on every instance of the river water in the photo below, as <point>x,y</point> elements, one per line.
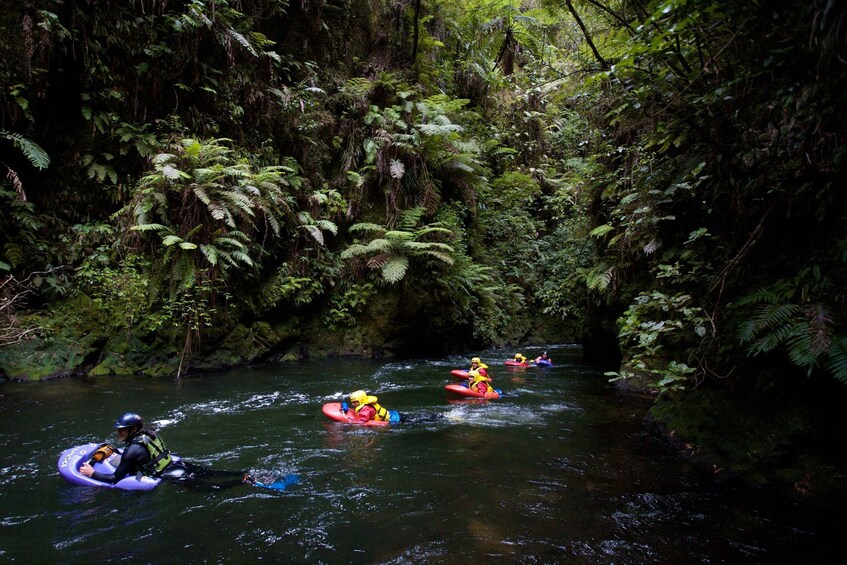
<point>561,469</point>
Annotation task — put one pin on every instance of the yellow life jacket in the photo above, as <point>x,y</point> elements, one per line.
<point>381,413</point>
<point>476,379</point>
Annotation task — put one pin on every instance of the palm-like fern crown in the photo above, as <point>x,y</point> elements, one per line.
<point>390,251</point>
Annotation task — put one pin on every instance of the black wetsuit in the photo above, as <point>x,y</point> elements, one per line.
<point>133,459</point>
<point>135,456</point>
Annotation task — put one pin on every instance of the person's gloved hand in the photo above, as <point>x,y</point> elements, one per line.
<point>344,407</point>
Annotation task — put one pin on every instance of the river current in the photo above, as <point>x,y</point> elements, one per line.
<point>561,469</point>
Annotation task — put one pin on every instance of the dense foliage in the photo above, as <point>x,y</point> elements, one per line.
<point>187,177</point>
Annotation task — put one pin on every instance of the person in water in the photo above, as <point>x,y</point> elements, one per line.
<point>478,378</point>
<point>366,407</point>
<point>544,357</point>
<point>476,365</point>
<point>145,453</point>
<point>519,358</point>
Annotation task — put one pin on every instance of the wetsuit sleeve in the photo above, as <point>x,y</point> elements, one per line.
<point>133,458</point>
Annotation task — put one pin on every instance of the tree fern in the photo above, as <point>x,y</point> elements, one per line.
<point>202,194</point>
<point>392,251</point>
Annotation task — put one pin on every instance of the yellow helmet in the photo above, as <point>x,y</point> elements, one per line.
<point>476,360</point>
<point>359,397</point>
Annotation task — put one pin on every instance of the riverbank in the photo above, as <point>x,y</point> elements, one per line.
<point>779,443</point>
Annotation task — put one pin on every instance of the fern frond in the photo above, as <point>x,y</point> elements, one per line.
<point>600,280</point>
<point>379,245</point>
<point>241,201</point>
<point>397,169</point>
<point>837,363</point>
<point>399,235</point>
<point>149,227</point>
<point>37,157</point>
<point>230,242</point>
<point>183,271</point>
<point>315,232</point>
<point>395,269</point>
<point>770,341</point>
<point>274,223</point>
<point>329,226</point>
<point>217,211</point>
<point>169,240</point>
<point>411,217</point>
<point>433,229</point>
<point>378,261</point>
<point>366,227</point>
<point>443,257</point>
<point>211,254</point>
<point>600,231</point>
<point>799,345</point>
<point>774,315</point>
<point>438,129</point>
<point>243,41</point>
<point>652,246</point>
<point>201,195</point>
<point>243,257</point>
<point>354,251</point>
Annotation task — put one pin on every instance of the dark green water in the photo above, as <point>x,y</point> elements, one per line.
<point>559,470</point>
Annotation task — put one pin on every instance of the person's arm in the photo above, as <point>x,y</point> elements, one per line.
<point>133,458</point>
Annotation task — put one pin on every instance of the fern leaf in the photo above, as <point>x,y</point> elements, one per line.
<point>379,245</point>
<point>149,227</point>
<point>241,201</point>
<point>775,315</point>
<point>243,257</point>
<point>172,173</point>
<point>652,246</point>
<point>366,227</point>
<point>837,363</point>
<point>399,235</point>
<point>37,157</point>
<point>316,233</point>
<point>211,254</point>
<point>274,223</point>
<point>202,196</point>
<point>329,226</point>
<point>429,230</point>
<point>230,242</point>
<point>397,169</point>
<point>600,231</point>
<point>354,251</point>
<point>169,240</point>
<point>378,261</point>
<point>217,211</point>
<point>395,269</point>
<point>243,41</point>
<point>411,217</point>
<point>443,257</point>
<point>799,343</point>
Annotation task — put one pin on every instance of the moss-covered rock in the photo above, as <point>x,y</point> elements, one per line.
<point>62,347</point>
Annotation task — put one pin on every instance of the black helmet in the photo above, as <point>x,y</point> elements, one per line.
<point>129,420</point>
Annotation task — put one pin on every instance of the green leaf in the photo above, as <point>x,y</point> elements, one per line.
<point>395,269</point>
